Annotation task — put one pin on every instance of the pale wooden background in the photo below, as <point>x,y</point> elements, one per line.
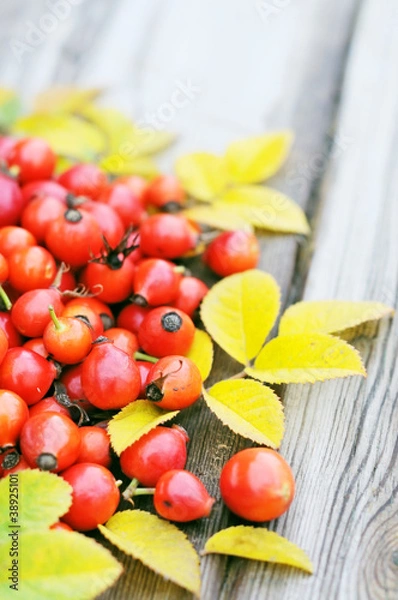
<point>329,71</point>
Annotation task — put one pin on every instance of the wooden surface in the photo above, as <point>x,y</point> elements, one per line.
<point>329,71</point>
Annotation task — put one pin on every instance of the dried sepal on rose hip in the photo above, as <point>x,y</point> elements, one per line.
<point>174,382</point>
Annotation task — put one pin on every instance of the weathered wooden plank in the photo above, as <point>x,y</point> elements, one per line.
<point>342,437</point>
<point>249,72</point>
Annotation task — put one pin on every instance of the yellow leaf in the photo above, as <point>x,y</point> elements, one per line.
<point>266,208</point>
<point>201,353</point>
<point>330,316</point>
<point>158,544</point>
<point>125,141</point>
<point>239,312</point>
<point>203,175</point>
<point>64,98</point>
<point>249,408</point>
<point>57,564</point>
<point>133,421</point>
<point>258,544</point>
<point>67,135</point>
<point>152,141</point>
<point>257,158</point>
<point>123,165</point>
<point>219,216</point>
<point>42,498</point>
<point>306,358</point>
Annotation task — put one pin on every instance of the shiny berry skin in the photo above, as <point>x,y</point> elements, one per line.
<point>30,313</point>
<point>95,446</point>
<point>11,201</point>
<point>31,268</point>
<point>83,236</point>
<point>50,441</point>
<point>34,158</point>
<point>44,187</point>
<point>3,345</point>
<point>127,204</point>
<point>144,367</point>
<point>165,192</point>
<point>61,526</point>
<point>97,306</point>
<point>174,382</point>
<point>165,331</point>
<point>17,363</point>
<point>158,451</point>
<point>95,496</point>
<point>71,378</point>
<point>4,270</point>
<point>180,496</point>
<point>48,404</point>
<point>135,183</point>
<point>36,345</point>
<point>6,325</point>
<point>78,307</point>
<point>166,236</point>
<point>67,339</point>
<point>123,339</point>
<point>257,484</point>
<point>84,180</point>
<point>14,238</point>
<point>110,378</point>
<point>6,145</point>
<point>112,282</point>
<point>14,413</point>
<point>40,213</point>
<point>232,252</point>
<point>131,317</point>
<point>111,225</point>
<point>155,282</point>
<point>191,292</point>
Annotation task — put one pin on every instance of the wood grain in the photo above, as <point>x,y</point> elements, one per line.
<point>252,74</point>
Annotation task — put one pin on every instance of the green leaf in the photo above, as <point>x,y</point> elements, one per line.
<point>258,544</point>
<point>306,358</point>
<point>9,108</point>
<point>203,175</point>
<point>67,135</point>
<point>41,499</point>
<point>330,316</point>
<point>158,544</point>
<point>239,312</point>
<point>57,564</point>
<point>249,408</point>
<point>265,208</point>
<point>257,158</point>
<point>133,421</point>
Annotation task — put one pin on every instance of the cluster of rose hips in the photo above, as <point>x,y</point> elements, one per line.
<point>96,315</point>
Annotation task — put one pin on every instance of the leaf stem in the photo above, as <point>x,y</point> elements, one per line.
<point>5,298</point>
<point>144,491</point>
<point>130,490</point>
<point>142,356</point>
